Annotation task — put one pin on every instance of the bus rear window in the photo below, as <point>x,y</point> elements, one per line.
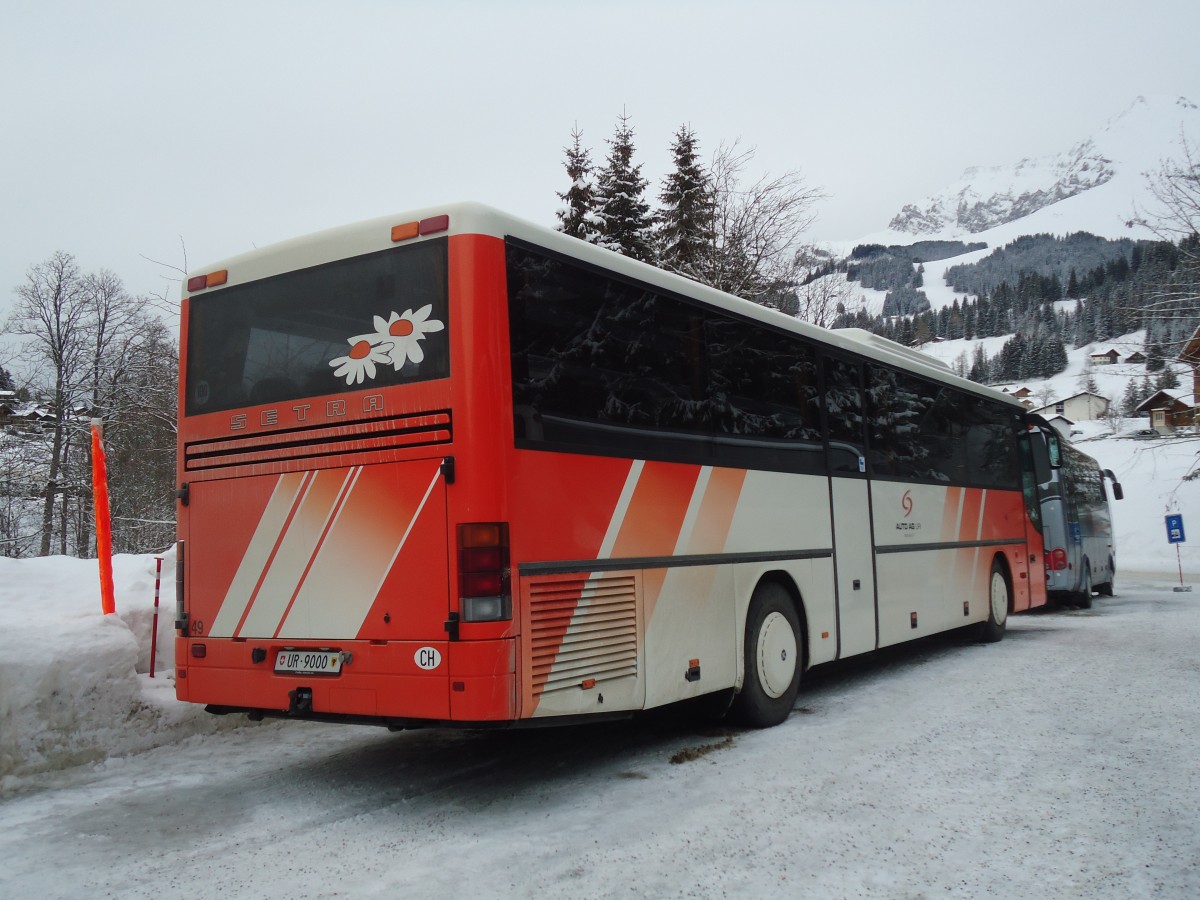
<point>367,322</point>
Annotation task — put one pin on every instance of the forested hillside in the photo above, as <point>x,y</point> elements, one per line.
<point>1052,293</point>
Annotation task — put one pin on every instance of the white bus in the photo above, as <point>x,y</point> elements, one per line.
<point>1081,549</point>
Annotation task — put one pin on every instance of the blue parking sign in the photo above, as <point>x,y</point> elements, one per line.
<point>1175,530</point>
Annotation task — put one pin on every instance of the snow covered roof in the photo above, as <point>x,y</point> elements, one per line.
<point>1165,399</point>
<point>1054,403</point>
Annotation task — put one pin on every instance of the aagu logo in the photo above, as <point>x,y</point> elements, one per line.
<point>907,528</point>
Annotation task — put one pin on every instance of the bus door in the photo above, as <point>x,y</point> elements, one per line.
<point>850,509</point>
<point>332,554</point>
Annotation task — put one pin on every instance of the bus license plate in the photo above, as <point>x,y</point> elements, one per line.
<point>308,662</point>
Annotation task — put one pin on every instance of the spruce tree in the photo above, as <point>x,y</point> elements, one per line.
<point>1072,285</point>
<point>578,217</point>
<point>1167,380</point>
<point>1034,362</point>
<point>685,220</point>
<point>1145,390</point>
<point>624,214</point>
<point>979,365</point>
<point>1057,357</point>
<point>1130,401</point>
<point>1155,358</point>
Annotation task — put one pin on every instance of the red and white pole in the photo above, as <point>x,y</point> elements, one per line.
<point>154,628</point>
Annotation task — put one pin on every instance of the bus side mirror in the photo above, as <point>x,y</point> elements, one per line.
<point>1055,451</point>
<point>1118,493</point>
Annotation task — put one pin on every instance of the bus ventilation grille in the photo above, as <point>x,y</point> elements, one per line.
<point>379,438</point>
<point>582,630</point>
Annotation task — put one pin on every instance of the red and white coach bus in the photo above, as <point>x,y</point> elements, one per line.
<point>451,468</point>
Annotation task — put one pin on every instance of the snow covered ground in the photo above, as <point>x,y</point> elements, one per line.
<point>1057,763</point>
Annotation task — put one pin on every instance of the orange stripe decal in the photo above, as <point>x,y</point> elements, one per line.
<point>716,511</point>
<point>286,499</point>
<point>656,511</point>
<point>297,545</point>
<point>338,502</point>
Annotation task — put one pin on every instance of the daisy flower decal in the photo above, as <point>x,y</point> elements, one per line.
<point>396,340</point>
<point>359,364</point>
<point>405,331</point>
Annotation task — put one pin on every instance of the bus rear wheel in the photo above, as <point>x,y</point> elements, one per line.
<point>999,600</point>
<point>771,652</point>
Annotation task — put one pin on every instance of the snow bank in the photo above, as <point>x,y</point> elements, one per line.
<point>75,684</point>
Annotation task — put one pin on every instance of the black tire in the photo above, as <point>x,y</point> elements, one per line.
<point>1083,599</point>
<point>710,709</point>
<point>1106,589</point>
<point>773,657</point>
<point>999,603</point>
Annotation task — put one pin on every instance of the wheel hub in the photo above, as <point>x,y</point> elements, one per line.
<point>999,598</point>
<point>777,655</point>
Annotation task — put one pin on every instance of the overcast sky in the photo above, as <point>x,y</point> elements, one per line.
<point>130,127</point>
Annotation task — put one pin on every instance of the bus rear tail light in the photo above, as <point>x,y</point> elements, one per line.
<point>1057,559</point>
<point>483,572</point>
<point>212,279</point>
<point>410,230</point>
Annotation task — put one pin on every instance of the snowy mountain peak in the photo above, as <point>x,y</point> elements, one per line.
<point>1130,144</point>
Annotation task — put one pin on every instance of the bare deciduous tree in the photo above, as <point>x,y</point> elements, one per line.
<point>1174,216</point>
<point>757,251</point>
<point>1175,187</point>
<point>139,399</point>
<point>166,302</point>
<point>99,354</point>
<point>50,313</point>
<point>22,467</point>
<point>822,300</point>
<point>1113,418</point>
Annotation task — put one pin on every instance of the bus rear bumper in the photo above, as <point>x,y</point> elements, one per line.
<point>398,683</point>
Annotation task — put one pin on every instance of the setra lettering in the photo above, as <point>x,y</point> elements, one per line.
<point>334,409</point>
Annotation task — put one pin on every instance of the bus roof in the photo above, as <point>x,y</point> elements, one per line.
<point>374,235</point>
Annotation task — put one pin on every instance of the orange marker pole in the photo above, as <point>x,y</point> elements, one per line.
<point>108,600</point>
<point>154,628</point>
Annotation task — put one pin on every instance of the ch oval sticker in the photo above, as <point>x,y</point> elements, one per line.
<point>428,658</point>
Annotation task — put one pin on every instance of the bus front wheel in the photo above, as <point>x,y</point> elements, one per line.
<point>771,651</point>
<point>1106,589</point>
<point>999,600</point>
<point>1084,598</point>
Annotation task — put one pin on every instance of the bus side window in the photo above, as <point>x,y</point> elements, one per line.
<point>1055,451</point>
<point>844,416</point>
<point>1041,457</point>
